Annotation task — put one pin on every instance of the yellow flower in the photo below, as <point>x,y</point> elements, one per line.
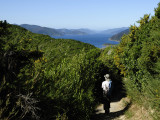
<point>37,61</point>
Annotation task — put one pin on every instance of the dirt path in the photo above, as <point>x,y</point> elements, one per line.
<point>116,111</point>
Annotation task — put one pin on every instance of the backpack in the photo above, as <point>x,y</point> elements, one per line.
<point>108,89</point>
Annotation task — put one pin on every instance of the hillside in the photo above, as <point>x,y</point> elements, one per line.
<point>72,31</point>
<point>52,31</point>
<point>137,59</point>
<point>41,30</point>
<point>117,37</point>
<point>113,31</point>
<point>54,78</point>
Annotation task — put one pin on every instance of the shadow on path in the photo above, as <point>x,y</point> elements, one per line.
<point>110,116</point>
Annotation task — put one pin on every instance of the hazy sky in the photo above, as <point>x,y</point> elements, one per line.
<point>93,14</point>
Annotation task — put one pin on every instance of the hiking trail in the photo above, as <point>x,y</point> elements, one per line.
<point>116,111</point>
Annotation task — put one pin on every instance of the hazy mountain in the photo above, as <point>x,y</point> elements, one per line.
<point>41,30</point>
<point>114,31</point>
<point>71,31</point>
<point>51,31</point>
<point>88,31</point>
<point>118,36</point>
<point>61,32</point>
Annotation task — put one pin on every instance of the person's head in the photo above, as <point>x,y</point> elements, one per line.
<point>106,77</point>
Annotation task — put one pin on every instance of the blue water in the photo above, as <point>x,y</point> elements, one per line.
<point>94,39</point>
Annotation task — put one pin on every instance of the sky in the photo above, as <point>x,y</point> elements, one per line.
<point>74,14</point>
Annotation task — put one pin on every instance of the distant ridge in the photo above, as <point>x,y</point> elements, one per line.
<point>61,32</point>
<point>41,30</point>
<point>51,31</point>
<point>118,36</point>
<point>114,30</point>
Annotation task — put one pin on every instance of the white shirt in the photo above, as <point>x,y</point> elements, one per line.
<point>105,85</point>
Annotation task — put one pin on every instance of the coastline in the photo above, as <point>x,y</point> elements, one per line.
<point>109,44</point>
<point>114,40</point>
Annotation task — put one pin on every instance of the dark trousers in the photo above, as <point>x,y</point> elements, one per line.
<point>106,101</point>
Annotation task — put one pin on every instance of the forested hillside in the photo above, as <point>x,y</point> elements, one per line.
<point>138,59</point>
<point>52,31</point>
<point>46,78</point>
<point>118,36</point>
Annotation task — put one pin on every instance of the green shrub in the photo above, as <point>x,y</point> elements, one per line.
<point>46,78</point>
<point>137,57</point>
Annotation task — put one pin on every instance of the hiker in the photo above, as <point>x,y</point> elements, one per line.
<point>106,86</point>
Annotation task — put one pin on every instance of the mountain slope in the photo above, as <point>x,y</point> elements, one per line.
<point>114,31</point>
<point>60,32</point>
<point>41,30</point>
<point>71,32</point>
<point>52,77</point>
<point>51,31</point>
<point>118,36</point>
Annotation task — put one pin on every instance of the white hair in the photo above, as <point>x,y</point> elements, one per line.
<point>106,77</point>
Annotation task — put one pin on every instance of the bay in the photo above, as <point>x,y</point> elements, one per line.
<point>98,40</point>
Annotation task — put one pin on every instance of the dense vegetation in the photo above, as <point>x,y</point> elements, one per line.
<point>138,59</point>
<point>46,78</point>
